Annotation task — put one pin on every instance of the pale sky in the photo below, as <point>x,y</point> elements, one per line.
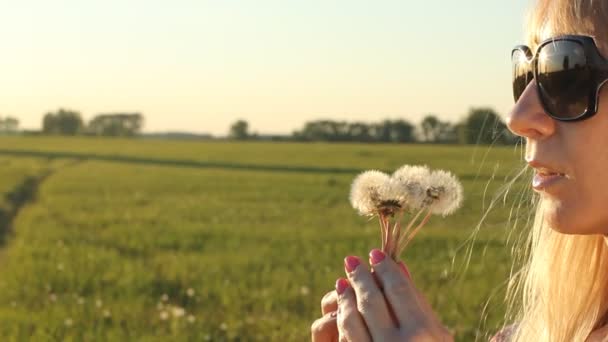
<point>200,65</point>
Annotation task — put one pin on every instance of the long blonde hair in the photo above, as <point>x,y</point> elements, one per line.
<point>561,293</point>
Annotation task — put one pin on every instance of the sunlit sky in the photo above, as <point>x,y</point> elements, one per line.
<point>200,65</point>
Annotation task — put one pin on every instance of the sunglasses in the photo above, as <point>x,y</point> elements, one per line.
<point>569,72</point>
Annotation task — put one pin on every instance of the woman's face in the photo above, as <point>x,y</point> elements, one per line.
<point>577,202</point>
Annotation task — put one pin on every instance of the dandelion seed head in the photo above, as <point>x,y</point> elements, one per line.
<point>68,322</point>
<point>164,297</point>
<point>190,292</point>
<point>445,191</point>
<point>106,313</point>
<point>413,181</point>
<point>98,303</point>
<point>392,197</point>
<point>191,319</point>
<point>365,193</point>
<point>164,315</point>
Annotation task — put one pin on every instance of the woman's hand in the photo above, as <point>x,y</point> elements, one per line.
<point>384,305</point>
<point>325,328</point>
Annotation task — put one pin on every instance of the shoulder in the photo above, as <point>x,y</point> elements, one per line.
<point>505,334</point>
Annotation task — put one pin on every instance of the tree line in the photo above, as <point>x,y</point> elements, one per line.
<point>480,126</point>
<point>69,122</point>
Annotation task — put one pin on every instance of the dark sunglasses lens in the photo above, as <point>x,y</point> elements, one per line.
<point>564,79</point>
<point>522,73</point>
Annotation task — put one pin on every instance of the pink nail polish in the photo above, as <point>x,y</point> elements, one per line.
<point>351,263</point>
<point>405,270</point>
<point>376,256</point>
<point>341,285</point>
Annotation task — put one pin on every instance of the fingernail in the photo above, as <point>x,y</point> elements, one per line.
<point>404,269</point>
<point>375,256</point>
<point>341,285</point>
<point>351,263</point>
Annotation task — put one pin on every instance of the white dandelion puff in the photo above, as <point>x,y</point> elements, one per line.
<point>392,197</point>
<point>164,315</point>
<point>106,313</point>
<point>190,292</point>
<point>414,180</point>
<point>191,319</point>
<point>446,192</point>
<point>365,191</point>
<point>98,303</point>
<point>68,322</point>
<point>164,297</point>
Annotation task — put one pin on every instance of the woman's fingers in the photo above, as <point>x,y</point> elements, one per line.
<point>329,302</point>
<point>398,289</point>
<point>325,329</point>
<point>369,298</point>
<point>351,326</point>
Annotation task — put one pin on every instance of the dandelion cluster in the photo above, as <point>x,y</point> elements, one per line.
<point>412,190</point>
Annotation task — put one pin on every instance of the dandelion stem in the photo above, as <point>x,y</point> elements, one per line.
<point>397,234</point>
<point>389,239</point>
<point>383,232</point>
<point>422,223</point>
<point>405,232</point>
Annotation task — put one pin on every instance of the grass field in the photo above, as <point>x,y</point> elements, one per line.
<point>149,240</point>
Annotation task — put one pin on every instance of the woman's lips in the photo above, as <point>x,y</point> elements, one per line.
<point>544,180</point>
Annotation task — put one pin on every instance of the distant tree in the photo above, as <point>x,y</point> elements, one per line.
<point>63,122</point>
<point>484,126</point>
<point>358,131</point>
<point>430,128</point>
<point>116,124</point>
<point>402,131</point>
<point>382,131</point>
<point>436,131</point>
<point>11,124</point>
<point>8,125</point>
<point>239,130</point>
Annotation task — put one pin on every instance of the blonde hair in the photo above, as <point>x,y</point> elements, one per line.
<point>561,292</point>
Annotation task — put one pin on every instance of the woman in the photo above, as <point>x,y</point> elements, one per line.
<point>562,112</point>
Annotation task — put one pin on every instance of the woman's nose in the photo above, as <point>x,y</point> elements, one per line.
<point>528,118</point>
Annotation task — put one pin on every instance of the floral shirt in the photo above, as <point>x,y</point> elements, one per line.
<point>505,334</point>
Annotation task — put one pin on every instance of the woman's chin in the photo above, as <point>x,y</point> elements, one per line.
<point>570,220</point>
<point>560,218</point>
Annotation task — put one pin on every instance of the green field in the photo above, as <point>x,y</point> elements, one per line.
<point>150,240</point>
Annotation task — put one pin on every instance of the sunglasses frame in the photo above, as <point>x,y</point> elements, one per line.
<point>597,64</point>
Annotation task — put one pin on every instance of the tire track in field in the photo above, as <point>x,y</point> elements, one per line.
<point>23,194</point>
